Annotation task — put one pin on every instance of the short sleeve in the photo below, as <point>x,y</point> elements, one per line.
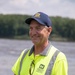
<point>15,67</point>
<point>60,66</point>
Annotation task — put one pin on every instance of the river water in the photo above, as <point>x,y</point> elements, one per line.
<point>11,49</point>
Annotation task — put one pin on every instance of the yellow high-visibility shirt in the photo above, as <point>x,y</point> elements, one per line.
<point>60,66</point>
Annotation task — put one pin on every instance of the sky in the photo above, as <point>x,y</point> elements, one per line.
<point>63,8</point>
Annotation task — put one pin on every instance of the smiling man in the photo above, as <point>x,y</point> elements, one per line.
<point>39,35</point>
<point>43,58</point>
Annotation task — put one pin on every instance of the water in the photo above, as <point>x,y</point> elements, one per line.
<point>11,49</point>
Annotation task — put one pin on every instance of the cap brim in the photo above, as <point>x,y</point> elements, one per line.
<point>28,21</point>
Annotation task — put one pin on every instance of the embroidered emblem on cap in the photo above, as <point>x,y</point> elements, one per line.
<point>37,15</point>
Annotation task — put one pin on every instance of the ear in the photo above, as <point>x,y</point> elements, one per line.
<point>50,29</point>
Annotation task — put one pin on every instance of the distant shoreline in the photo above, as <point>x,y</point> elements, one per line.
<point>58,39</point>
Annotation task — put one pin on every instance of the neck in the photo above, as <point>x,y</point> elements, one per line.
<point>40,48</point>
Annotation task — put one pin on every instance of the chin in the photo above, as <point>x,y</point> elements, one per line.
<point>36,43</point>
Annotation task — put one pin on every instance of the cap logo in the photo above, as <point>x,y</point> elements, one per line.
<point>37,15</point>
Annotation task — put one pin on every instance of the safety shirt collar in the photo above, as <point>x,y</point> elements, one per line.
<point>45,51</point>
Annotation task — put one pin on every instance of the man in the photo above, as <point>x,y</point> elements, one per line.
<point>43,58</point>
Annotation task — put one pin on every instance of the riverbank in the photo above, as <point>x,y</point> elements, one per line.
<point>51,38</point>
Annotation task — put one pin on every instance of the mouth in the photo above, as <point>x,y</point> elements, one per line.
<point>35,37</point>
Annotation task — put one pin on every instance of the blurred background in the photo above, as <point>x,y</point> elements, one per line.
<point>14,33</point>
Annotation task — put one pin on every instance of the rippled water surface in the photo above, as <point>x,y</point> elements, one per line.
<point>11,49</point>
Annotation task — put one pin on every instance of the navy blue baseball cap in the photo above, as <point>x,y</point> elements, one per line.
<point>41,18</point>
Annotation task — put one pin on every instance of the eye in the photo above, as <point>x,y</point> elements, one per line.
<point>38,28</point>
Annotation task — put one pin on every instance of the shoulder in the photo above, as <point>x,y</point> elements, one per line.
<point>17,63</point>
<point>60,65</point>
<point>62,59</point>
<point>24,53</point>
<point>60,55</point>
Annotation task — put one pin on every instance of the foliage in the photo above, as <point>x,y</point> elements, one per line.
<point>64,27</point>
<point>14,25</point>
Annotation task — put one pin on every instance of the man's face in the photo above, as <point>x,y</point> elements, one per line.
<point>39,33</point>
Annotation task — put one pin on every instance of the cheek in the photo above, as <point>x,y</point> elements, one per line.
<point>45,34</point>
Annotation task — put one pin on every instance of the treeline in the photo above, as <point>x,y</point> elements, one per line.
<point>14,25</point>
